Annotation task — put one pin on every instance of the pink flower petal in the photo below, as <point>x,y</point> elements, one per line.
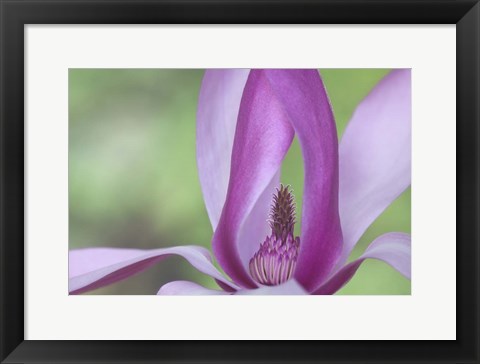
<point>375,156</point>
<point>275,104</point>
<point>392,248</point>
<point>258,150</point>
<point>306,103</point>
<point>193,289</point>
<point>188,289</point>
<point>97,267</point>
<point>217,113</point>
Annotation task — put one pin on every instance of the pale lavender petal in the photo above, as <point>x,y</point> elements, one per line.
<point>187,288</point>
<point>275,104</point>
<point>217,113</point>
<point>93,268</point>
<point>392,248</point>
<point>290,288</point>
<point>218,104</point>
<point>375,156</point>
<point>256,227</point>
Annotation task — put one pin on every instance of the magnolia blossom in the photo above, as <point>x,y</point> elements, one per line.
<point>246,122</point>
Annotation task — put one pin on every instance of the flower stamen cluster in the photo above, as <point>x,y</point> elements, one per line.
<point>274,263</point>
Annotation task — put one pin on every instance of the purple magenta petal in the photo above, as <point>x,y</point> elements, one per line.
<point>275,104</point>
<point>97,267</point>
<point>392,248</point>
<point>375,156</point>
<point>290,288</point>
<point>187,288</point>
<point>263,136</point>
<point>305,101</point>
<point>218,106</point>
<point>225,287</point>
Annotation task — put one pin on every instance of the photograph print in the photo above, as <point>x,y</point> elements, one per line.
<point>240,181</point>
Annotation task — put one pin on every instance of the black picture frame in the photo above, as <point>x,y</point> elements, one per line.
<point>15,14</point>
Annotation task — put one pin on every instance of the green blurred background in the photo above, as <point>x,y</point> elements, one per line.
<point>133,178</point>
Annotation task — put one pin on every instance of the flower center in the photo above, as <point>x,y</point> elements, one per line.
<point>274,263</point>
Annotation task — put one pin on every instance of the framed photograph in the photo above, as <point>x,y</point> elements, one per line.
<point>239,181</point>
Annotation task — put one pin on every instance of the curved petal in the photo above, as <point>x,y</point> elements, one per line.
<point>193,289</point>
<point>375,156</point>
<point>93,268</point>
<point>289,288</point>
<point>256,227</point>
<point>306,102</point>
<point>262,138</point>
<point>392,248</point>
<point>218,105</point>
<point>275,104</point>
<point>188,289</point>
<point>225,287</point>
